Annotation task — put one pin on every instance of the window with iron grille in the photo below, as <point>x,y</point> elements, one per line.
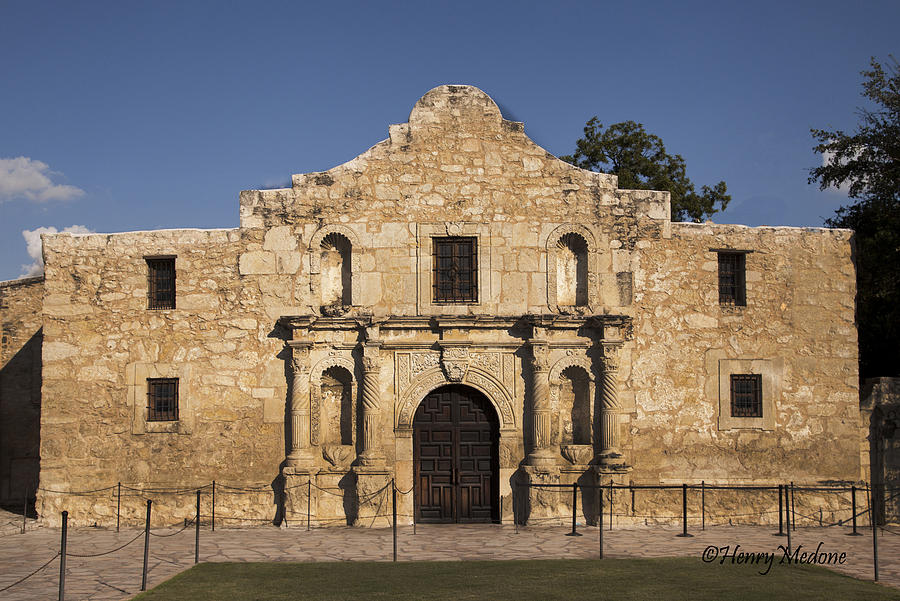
<point>732,282</point>
<point>455,270</point>
<point>746,395</point>
<point>162,399</point>
<point>161,283</point>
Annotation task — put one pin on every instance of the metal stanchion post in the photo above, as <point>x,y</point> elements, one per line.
<point>213,509</point>
<point>611,504</point>
<point>118,505</point>
<point>684,532</point>
<point>793,515</point>
<point>62,556</point>
<point>874,532</point>
<point>515,515</point>
<point>146,546</point>
<point>25,510</point>
<point>308,503</point>
<point>600,523</point>
<point>787,517</point>
<point>197,532</point>
<point>780,511</point>
<point>574,532</point>
<point>853,509</point>
<point>394,503</point>
<point>702,505</point>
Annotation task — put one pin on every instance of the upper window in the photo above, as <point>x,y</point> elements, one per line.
<point>746,395</point>
<point>455,270</point>
<point>732,281</point>
<point>162,399</point>
<point>161,283</point>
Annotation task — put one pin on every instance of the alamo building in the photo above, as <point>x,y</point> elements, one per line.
<point>455,309</point>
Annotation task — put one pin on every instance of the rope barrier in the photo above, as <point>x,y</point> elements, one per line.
<point>21,580</point>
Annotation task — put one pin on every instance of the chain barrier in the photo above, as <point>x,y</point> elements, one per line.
<point>70,554</point>
<point>21,580</point>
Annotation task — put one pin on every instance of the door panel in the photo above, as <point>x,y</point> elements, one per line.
<point>455,457</point>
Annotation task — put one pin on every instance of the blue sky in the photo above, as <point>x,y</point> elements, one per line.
<point>120,116</point>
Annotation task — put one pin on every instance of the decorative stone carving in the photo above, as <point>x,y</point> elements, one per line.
<point>421,362</point>
<point>455,362</point>
<point>489,362</point>
<point>337,455</point>
<point>577,454</point>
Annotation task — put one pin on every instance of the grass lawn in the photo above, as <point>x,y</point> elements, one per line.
<point>651,579</point>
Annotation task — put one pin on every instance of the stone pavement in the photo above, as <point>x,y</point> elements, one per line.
<point>117,575</point>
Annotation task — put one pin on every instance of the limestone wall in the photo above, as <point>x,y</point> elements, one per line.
<point>799,324</point>
<point>101,340</point>
<point>20,387</point>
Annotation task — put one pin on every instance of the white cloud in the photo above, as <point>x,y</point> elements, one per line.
<point>34,246</point>
<point>844,188</point>
<point>23,177</point>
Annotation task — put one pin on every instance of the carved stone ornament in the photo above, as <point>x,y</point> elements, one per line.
<point>337,454</point>
<point>540,357</point>
<point>611,355</point>
<point>300,359</point>
<point>577,454</point>
<point>455,362</point>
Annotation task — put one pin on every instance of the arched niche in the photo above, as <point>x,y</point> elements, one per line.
<point>333,403</point>
<point>334,266</point>
<point>571,269</point>
<point>572,388</point>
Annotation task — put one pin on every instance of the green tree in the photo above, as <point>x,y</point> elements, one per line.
<point>641,162</point>
<point>868,161</point>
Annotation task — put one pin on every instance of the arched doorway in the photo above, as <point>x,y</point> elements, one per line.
<point>455,457</point>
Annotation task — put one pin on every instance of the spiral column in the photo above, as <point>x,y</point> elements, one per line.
<point>610,406</point>
<point>371,405</point>
<point>301,452</point>
<point>541,454</point>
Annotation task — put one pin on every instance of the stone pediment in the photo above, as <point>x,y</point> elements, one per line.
<point>455,159</point>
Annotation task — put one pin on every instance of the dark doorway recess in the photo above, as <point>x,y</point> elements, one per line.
<point>455,456</point>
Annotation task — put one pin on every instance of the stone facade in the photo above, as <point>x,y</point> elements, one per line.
<point>20,388</point>
<point>305,340</point>
<point>880,405</point>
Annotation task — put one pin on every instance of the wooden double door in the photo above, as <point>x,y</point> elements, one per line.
<point>455,456</point>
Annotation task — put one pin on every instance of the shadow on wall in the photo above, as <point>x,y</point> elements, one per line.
<point>20,425</point>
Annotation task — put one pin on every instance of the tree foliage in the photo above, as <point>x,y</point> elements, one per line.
<point>641,162</point>
<point>868,161</point>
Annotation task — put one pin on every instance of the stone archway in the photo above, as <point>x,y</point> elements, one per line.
<point>456,465</point>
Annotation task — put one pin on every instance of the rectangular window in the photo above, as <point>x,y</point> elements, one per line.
<point>746,395</point>
<point>161,283</point>
<point>732,280</point>
<point>162,399</point>
<point>455,270</point>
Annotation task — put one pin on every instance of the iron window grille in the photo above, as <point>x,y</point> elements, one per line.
<point>455,270</point>
<point>161,283</point>
<point>746,395</point>
<point>162,399</point>
<point>732,279</point>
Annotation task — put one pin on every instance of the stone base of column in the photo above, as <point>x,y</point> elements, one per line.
<point>373,497</point>
<point>543,505</point>
<point>544,458</point>
<point>371,459</point>
<point>586,499</point>
<point>297,504</point>
<point>301,458</point>
<point>612,460</point>
<point>617,502</point>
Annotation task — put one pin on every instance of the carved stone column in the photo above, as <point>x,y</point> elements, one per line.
<point>301,453</point>
<point>611,407</point>
<point>371,405</point>
<point>541,455</point>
